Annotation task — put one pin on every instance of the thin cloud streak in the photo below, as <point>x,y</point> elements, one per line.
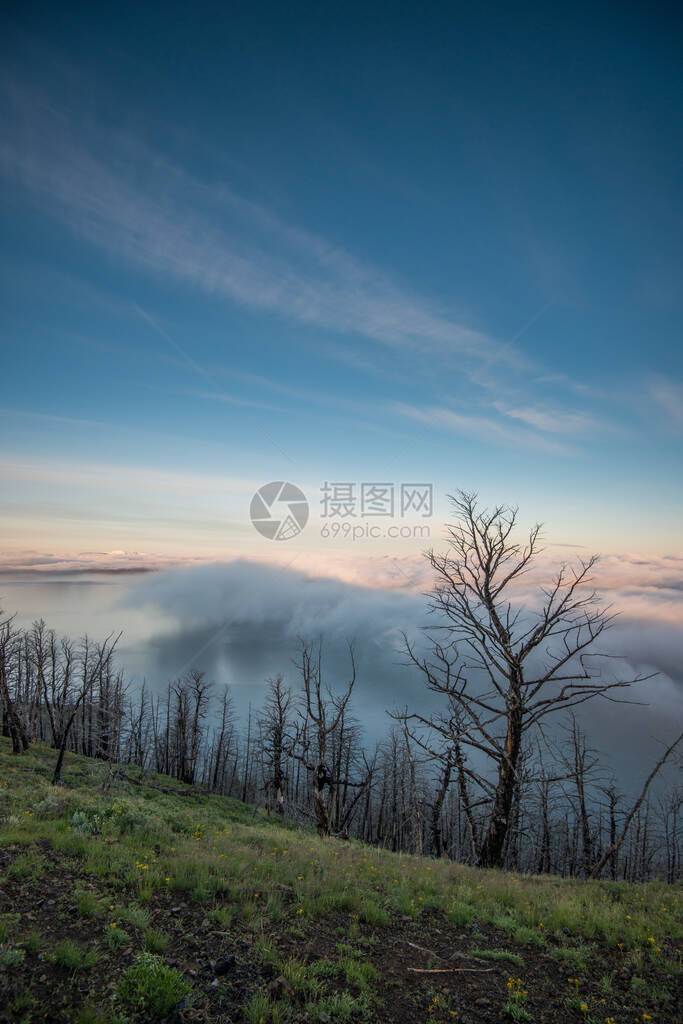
<point>117,478</point>
<point>482,428</point>
<point>212,238</point>
<point>195,366</point>
<point>480,373</point>
<point>553,420</point>
<point>668,396</point>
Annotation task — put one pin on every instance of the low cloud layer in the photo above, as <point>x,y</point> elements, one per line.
<point>241,621</point>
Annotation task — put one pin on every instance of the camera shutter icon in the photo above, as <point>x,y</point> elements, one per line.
<point>279,510</point>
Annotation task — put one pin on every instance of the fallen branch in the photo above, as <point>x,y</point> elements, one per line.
<point>429,952</point>
<point>453,956</point>
<point>451,970</point>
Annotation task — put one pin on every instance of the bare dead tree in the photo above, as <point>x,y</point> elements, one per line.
<point>544,854</point>
<point>248,760</point>
<point>436,807</point>
<point>10,655</point>
<point>275,725</point>
<point>320,715</point>
<point>613,848</point>
<point>580,766</point>
<point>458,758</point>
<point>437,790</point>
<point>137,745</point>
<point>613,798</point>
<point>415,799</point>
<point>669,811</point>
<point>584,761</point>
<point>190,709</point>
<point>67,677</point>
<point>533,662</point>
<point>223,740</point>
<point>200,692</point>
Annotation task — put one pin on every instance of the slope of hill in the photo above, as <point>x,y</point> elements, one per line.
<point>134,899</point>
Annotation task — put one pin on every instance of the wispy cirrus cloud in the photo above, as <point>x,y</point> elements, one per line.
<point>137,479</point>
<point>124,198</point>
<point>552,420</point>
<point>668,396</point>
<point>484,428</point>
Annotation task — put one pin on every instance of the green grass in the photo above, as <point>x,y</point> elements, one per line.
<point>576,957</point>
<point>258,1009</point>
<point>25,866</point>
<point>516,1012</point>
<point>91,1014</point>
<point>74,957</point>
<point>373,914</point>
<point>136,851</point>
<point>340,1006</point>
<point>300,976</point>
<point>33,943</point>
<point>149,985</point>
<point>87,904</point>
<point>116,937</point>
<point>499,956</point>
<point>358,972</point>
<point>460,914</point>
<point>133,915</point>
<point>526,936</point>
<point>196,837</point>
<point>156,941</point>
<point>224,916</point>
<point>10,958</point>
<point>21,1004</point>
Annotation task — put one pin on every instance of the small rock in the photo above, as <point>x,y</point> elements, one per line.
<point>42,978</point>
<point>224,965</point>
<point>482,1001</point>
<point>281,986</point>
<point>214,983</point>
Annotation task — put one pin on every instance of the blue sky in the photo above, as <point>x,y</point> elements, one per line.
<point>342,216</point>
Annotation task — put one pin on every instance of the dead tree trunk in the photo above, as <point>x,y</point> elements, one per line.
<point>503,668</point>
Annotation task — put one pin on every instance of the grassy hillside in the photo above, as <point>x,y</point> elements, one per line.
<point>143,902</point>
